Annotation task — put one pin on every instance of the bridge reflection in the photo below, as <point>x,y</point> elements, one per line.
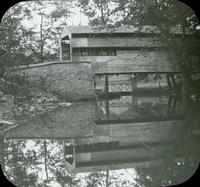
<point>116,133</point>
<point>131,108</point>
<point>131,133</point>
<point>87,157</point>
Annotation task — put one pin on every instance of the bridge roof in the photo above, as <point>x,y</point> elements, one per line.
<point>93,29</point>
<point>70,30</point>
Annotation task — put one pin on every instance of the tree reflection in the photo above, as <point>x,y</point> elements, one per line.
<point>17,164</point>
<point>35,163</point>
<point>41,162</point>
<point>168,173</point>
<point>171,172</point>
<point>25,166</point>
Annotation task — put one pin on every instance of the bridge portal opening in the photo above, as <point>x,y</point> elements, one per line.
<point>65,49</point>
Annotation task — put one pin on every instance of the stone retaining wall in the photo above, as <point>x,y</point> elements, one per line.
<point>72,81</point>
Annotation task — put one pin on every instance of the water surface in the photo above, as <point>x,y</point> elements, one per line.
<point>126,141</point>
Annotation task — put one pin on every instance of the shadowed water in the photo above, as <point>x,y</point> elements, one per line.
<point>125,141</point>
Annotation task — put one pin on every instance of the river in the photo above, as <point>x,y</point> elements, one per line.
<point>114,141</point>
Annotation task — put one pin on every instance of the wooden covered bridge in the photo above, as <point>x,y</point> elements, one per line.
<point>125,50</point>
<point>108,53</point>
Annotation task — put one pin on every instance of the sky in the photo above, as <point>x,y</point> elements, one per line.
<point>78,18</point>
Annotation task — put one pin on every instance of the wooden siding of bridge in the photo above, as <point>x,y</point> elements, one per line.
<point>127,41</point>
<point>140,132</point>
<point>134,54</point>
<point>116,42</point>
<point>132,61</point>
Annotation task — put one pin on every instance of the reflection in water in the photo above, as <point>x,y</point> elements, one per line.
<point>129,141</point>
<point>131,107</point>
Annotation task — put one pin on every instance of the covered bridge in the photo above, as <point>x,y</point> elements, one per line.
<point>123,50</point>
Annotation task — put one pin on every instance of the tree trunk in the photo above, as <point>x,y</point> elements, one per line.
<point>2,148</point>
<point>45,160</point>
<point>41,39</point>
<point>107,175</point>
<point>185,93</point>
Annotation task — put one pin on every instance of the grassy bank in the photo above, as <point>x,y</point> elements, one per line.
<point>19,100</point>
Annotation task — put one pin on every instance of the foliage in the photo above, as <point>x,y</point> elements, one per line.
<point>16,85</point>
<point>50,25</point>
<point>164,14</point>
<point>23,44</point>
<point>16,166</point>
<point>168,173</point>
<point>139,12</point>
<point>96,179</point>
<point>27,43</point>
<point>14,35</point>
<point>24,161</point>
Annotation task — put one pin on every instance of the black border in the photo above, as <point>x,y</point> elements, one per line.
<point>193,4</point>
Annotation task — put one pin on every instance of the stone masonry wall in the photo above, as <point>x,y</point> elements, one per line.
<point>71,81</point>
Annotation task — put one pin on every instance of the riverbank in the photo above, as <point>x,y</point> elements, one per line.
<point>17,108</point>
<point>29,92</point>
<point>73,82</point>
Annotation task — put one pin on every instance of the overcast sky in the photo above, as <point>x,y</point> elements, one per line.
<point>76,19</point>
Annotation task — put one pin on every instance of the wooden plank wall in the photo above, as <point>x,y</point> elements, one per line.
<point>116,42</point>
<point>148,55</point>
<point>132,61</point>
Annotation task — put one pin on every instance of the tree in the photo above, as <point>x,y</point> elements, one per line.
<point>14,34</point>
<point>167,173</point>
<point>45,160</point>
<point>24,160</point>
<point>95,179</point>
<point>161,13</point>
<point>22,40</point>
<point>16,166</point>
<point>53,15</point>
